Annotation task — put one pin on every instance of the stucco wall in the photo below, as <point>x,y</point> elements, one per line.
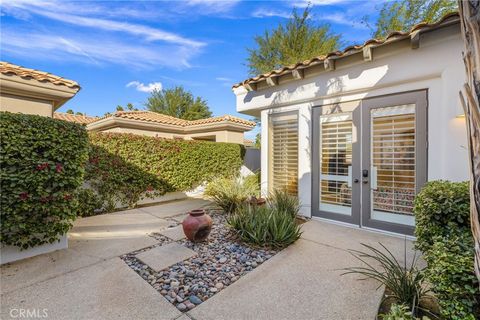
<point>141,132</point>
<point>25,105</point>
<point>218,136</point>
<point>436,66</point>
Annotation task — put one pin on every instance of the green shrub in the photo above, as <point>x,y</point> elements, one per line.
<point>442,212</point>
<point>440,207</point>
<point>181,164</point>
<point>229,193</point>
<point>451,273</point>
<point>264,226</point>
<point>125,168</point>
<point>284,201</point>
<point>42,165</point>
<point>89,203</point>
<point>398,312</point>
<point>406,282</point>
<point>118,182</point>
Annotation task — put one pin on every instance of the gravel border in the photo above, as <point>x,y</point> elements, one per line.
<point>220,261</point>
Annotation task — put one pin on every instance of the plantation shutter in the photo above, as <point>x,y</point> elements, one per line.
<point>284,153</point>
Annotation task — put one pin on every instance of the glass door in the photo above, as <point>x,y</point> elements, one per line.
<point>336,160</point>
<point>394,160</point>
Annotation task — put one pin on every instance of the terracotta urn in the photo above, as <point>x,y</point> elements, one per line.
<point>197,225</point>
<point>257,201</point>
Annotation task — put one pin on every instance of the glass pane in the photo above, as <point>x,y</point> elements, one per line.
<point>393,164</point>
<point>284,153</point>
<point>336,163</point>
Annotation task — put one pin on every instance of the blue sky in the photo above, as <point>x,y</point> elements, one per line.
<point>120,50</point>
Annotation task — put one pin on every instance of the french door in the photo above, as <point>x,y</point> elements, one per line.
<point>369,160</point>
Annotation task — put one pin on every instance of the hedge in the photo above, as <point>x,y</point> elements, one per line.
<point>124,168</point>
<point>442,213</point>
<point>440,207</point>
<point>41,166</point>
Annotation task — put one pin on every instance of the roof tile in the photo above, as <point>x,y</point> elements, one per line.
<point>74,118</point>
<point>165,119</point>
<point>9,68</point>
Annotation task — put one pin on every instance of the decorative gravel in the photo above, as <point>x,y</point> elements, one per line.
<point>220,261</point>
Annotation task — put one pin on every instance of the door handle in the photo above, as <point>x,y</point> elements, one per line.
<point>355,180</point>
<point>365,181</point>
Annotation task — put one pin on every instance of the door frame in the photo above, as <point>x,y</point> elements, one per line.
<point>354,218</point>
<point>419,98</point>
<point>361,204</point>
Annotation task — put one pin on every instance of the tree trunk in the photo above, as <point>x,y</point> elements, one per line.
<point>470,97</point>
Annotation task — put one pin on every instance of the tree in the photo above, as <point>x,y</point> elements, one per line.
<point>79,114</point>
<point>119,108</point>
<point>179,103</point>
<point>130,107</point>
<point>69,111</point>
<point>298,40</point>
<point>470,98</point>
<point>402,15</point>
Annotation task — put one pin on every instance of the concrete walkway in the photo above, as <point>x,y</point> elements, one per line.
<point>304,281</point>
<point>90,281</point>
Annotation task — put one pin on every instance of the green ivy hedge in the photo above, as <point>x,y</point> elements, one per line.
<point>124,168</point>
<point>442,213</point>
<point>41,166</point>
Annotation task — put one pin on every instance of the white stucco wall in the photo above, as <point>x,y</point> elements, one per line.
<point>436,66</point>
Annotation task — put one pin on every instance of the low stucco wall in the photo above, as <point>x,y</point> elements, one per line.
<point>11,253</point>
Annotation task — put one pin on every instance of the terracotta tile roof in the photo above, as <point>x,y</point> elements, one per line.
<point>227,118</point>
<point>448,19</point>
<point>248,142</point>
<point>164,119</point>
<point>74,118</point>
<point>26,73</point>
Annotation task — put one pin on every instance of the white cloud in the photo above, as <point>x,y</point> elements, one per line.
<point>266,13</point>
<point>55,13</point>
<point>86,48</point>
<point>312,3</point>
<point>145,87</point>
<point>226,82</point>
<point>341,18</point>
<point>213,6</point>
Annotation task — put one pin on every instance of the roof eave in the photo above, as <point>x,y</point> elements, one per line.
<point>31,88</point>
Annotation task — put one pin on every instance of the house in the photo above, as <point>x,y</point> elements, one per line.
<point>219,129</point>
<point>82,119</point>
<point>32,91</point>
<point>357,133</point>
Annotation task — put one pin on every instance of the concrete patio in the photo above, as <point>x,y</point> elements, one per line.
<point>90,281</point>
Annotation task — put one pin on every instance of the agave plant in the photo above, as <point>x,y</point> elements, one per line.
<point>406,282</point>
<point>283,201</point>
<point>264,226</point>
<point>228,193</point>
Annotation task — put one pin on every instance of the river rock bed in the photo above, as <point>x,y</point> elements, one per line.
<point>220,261</point>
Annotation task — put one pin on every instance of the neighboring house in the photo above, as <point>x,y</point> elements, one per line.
<point>357,133</point>
<point>218,129</point>
<point>33,92</point>
<point>82,119</point>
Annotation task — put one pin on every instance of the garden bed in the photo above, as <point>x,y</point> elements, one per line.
<point>220,261</point>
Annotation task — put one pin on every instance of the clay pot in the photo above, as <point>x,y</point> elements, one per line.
<point>197,225</point>
<point>257,201</point>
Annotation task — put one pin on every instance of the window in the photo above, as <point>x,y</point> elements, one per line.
<point>283,152</point>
